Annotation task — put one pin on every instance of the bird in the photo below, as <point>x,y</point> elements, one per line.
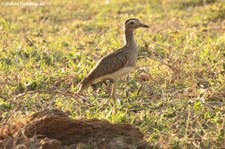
<point>116,64</point>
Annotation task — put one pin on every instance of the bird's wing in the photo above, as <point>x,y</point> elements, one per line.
<point>106,65</point>
<point>109,64</point>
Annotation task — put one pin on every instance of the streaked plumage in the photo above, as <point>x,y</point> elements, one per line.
<point>116,64</point>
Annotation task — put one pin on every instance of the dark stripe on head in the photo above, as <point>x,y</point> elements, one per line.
<point>130,20</point>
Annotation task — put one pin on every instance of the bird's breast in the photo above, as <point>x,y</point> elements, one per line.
<point>122,72</point>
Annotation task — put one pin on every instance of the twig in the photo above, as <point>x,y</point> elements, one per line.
<point>51,92</point>
<point>95,36</point>
<point>139,90</point>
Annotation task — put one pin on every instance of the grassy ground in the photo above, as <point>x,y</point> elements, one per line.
<point>47,50</point>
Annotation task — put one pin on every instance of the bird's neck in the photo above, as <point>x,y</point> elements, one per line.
<point>129,38</point>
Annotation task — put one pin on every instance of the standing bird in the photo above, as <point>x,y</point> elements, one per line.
<point>118,63</point>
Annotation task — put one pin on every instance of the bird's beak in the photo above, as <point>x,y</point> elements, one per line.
<point>145,26</point>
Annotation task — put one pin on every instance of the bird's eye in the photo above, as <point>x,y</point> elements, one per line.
<point>132,22</point>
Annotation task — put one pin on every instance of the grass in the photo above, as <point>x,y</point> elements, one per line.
<point>47,50</point>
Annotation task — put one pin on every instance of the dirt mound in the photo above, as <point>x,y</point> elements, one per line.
<point>53,129</point>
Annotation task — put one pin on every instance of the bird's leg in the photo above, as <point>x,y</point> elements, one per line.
<point>115,85</point>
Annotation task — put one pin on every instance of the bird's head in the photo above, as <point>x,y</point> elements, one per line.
<point>133,23</point>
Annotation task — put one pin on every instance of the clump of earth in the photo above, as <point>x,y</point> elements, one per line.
<point>54,129</point>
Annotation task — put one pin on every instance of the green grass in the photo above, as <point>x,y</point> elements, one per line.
<point>180,106</point>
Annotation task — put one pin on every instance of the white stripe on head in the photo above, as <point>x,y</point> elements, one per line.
<point>131,20</point>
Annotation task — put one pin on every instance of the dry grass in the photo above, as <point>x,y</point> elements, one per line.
<point>46,51</point>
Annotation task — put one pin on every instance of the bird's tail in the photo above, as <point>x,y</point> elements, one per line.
<point>83,85</point>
